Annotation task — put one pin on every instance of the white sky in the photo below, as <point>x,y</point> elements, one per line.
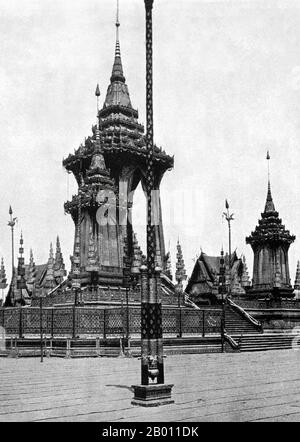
<point>226,89</point>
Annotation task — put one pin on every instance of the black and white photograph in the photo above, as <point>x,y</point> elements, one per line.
<point>149,214</point>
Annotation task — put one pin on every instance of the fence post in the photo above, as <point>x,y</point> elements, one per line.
<point>180,323</point>
<point>122,315</point>
<point>122,347</point>
<point>68,349</point>
<point>15,348</point>
<point>11,353</point>
<point>98,346</point>
<point>41,329</point>
<point>203,323</point>
<point>74,322</point>
<point>104,324</point>
<point>20,324</point>
<point>52,322</point>
<point>127,313</point>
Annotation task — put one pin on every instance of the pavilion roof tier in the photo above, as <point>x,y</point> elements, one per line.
<point>270,228</point>
<point>116,146</point>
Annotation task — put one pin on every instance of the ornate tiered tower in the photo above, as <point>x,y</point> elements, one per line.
<point>21,293</point>
<point>168,266</point>
<point>180,274</point>
<point>59,265</point>
<point>31,277</point>
<point>297,282</point>
<point>3,280</point>
<point>108,168</point>
<point>270,242</point>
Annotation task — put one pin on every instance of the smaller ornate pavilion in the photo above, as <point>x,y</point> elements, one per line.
<point>203,285</point>
<point>270,243</point>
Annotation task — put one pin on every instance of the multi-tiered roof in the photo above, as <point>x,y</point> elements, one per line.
<point>120,131</point>
<point>270,227</point>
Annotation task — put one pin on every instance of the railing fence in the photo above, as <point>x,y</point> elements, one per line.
<point>104,322</point>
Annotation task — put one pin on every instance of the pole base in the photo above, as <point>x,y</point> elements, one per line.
<point>152,395</point>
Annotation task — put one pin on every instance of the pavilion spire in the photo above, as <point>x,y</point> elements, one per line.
<point>50,282</point>
<point>117,71</point>
<point>168,265</point>
<point>297,278</point>
<point>59,265</point>
<point>180,266</point>
<point>21,261</point>
<point>269,206</point>
<point>31,268</point>
<point>3,279</point>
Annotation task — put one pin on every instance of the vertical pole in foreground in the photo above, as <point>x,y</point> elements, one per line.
<point>152,391</point>
<point>222,291</point>
<point>41,328</point>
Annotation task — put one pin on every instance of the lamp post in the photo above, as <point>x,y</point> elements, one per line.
<point>41,327</point>
<point>152,391</point>
<point>11,224</point>
<point>229,218</point>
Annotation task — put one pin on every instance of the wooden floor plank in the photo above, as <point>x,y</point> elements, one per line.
<point>212,387</point>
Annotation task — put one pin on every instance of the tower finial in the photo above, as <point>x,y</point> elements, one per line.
<point>118,52</point>
<point>269,207</point>
<point>117,72</point>
<point>97,93</point>
<point>117,20</point>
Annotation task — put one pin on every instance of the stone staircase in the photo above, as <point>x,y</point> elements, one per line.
<point>237,324</point>
<point>268,341</point>
<point>249,336</point>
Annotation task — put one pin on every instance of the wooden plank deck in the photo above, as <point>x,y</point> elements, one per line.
<point>261,386</point>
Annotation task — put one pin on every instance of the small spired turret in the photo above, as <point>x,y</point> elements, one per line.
<point>31,276</point>
<point>245,279</point>
<point>270,243</point>
<point>297,282</point>
<point>59,265</point>
<point>49,278</point>
<point>3,280</point>
<point>21,294</point>
<point>168,266</point>
<point>180,274</point>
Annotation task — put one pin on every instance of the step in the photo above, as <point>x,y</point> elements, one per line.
<point>264,348</point>
<point>261,344</point>
<point>262,338</point>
